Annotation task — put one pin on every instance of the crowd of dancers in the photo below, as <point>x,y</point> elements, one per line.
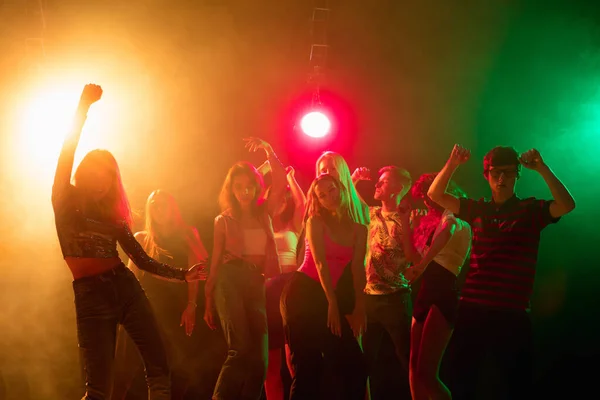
<point>321,275</point>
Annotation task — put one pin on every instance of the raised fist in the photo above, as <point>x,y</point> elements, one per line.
<point>361,174</point>
<point>91,93</point>
<point>459,155</point>
<point>531,159</point>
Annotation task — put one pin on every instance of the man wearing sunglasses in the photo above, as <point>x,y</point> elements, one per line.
<point>493,326</point>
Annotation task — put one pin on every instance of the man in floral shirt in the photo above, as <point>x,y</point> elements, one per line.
<point>388,295</point>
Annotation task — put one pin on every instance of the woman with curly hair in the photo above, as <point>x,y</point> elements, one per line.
<point>443,242</point>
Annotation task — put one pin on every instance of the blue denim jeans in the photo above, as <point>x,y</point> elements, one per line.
<point>101,303</point>
<point>240,302</point>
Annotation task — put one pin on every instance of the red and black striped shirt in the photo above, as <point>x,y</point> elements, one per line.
<point>505,247</point>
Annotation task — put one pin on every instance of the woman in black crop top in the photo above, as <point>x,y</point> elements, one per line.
<point>91,217</point>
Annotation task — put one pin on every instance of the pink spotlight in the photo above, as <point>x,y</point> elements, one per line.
<point>315,124</point>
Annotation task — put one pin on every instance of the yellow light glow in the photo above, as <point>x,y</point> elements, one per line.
<point>42,117</point>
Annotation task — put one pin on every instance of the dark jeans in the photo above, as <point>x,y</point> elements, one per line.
<point>490,355</point>
<point>304,309</point>
<point>240,302</point>
<point>388,315</point>
<point>101,303</point>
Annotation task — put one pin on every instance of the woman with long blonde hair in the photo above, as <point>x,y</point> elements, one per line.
<point>92,216</point>
<point>334,164</point>
<point>314,325</point>
<point>167,237</point>
<point>244,255</point>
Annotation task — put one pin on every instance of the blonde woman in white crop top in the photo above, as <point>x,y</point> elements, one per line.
<point>287,227</point>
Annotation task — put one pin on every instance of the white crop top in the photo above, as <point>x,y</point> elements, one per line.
<point>255,242</point>
<point>453,255</point>
<point>287,243</point>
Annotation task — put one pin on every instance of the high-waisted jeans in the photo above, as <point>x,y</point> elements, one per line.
<point>240,302</point>
<point>101,303</point>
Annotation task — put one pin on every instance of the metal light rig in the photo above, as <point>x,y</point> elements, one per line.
<point>35,41</point>
<point>319,48</point>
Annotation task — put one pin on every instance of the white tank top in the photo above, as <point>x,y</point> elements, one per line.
<point>287,243</point>
<point>453,255</point>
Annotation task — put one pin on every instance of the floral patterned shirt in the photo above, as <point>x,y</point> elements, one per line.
<point>386,261</point>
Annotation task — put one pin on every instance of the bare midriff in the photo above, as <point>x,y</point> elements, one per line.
<point>83,267</point>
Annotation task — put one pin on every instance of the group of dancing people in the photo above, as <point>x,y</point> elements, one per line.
<point>321,275</point>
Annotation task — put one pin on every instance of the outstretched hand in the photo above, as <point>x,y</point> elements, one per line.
<point>91,93</point>
<point>198,272</point>
<point>254,144</point>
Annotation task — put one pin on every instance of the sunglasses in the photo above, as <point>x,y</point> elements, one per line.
<point>508,173</point>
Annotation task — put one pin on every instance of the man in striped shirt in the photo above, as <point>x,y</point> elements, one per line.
<point>493,326</point>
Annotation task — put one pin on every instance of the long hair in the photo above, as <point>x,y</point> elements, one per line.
<point>428,224</point>
<point>358,210</point>
<point>287,215</point>
<point>313,205</point>
<point>227,200</point>
<point>115,205</point>
<point>177,222</point>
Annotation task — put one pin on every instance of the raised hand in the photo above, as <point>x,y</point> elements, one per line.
<point>459,155</point>
<point>361,174</point>
<point>531,159</point>
<point>91,93</point>
<point>254,143</point>
<point>290,171</point>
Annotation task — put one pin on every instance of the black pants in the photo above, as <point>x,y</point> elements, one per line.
<point>490,355</point>
<point>240,302</point>
<point>101,303</point>
<point>388,316</point>
<point>304,309</point>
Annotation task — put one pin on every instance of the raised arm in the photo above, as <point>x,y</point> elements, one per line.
<point>278,175</point>
<point>299,199</point>
<point>64,168</point>
<point>315,230</point>
<point>360,174</point>
<point>437,190</point>
<point>563,202</point>
<point>264,168</point>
